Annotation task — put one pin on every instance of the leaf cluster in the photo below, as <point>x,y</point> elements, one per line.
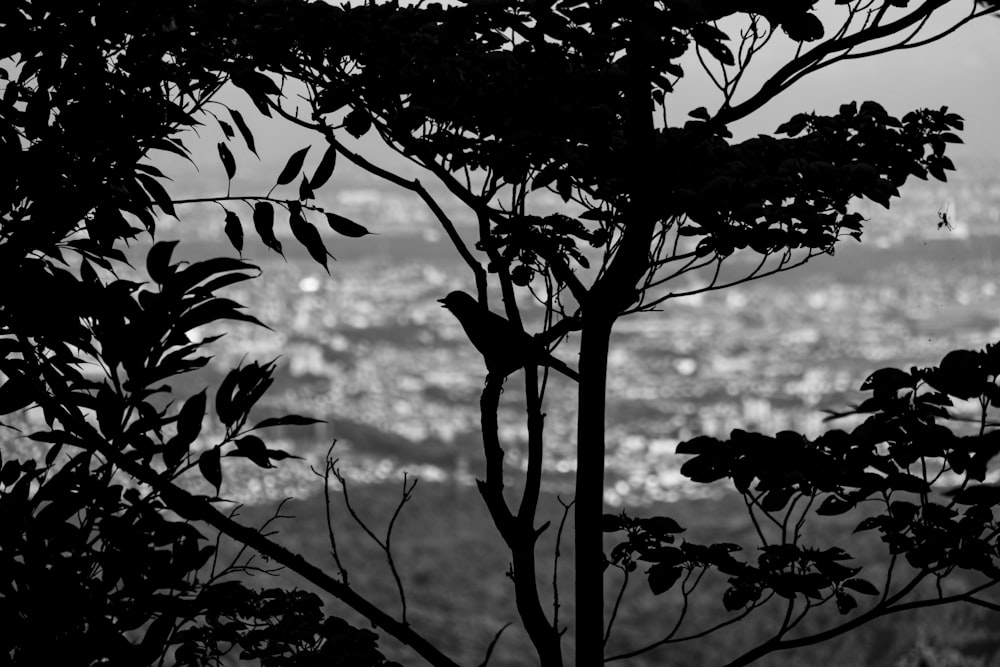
<point>97,571</point>
<point>920,485</point>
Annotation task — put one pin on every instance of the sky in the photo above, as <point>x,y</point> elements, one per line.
<point>960,71</point>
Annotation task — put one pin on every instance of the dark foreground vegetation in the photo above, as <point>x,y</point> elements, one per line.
<point>110,546</point>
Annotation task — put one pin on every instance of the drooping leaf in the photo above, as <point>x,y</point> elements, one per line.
<point>234,231</point>
<point>307,234</point>
<point>244,129</point>
<point>190,417</point>
<point>14,395</point>
<point>263,222</point>
<point>224,403</point>
<point>227,129</point>
<point>227,160</point>
<point>210,465</point>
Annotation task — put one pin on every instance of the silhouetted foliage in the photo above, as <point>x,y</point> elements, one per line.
<point>106,548</point>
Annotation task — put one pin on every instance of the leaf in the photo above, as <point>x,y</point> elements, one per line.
<point>564,186</point>
<point>345,227</point>
<point>545,176</point>
<point>861,586</point>
<point>244,129</point>
<point>280,455</point>
<point>14,395</point>
<point>906,482</point>
<point>257,86</point>
<point>307,234</point>
<point>698,445</point>
<point>612,523</point>
<point>305,189</point>
<point>224,404</point>
<point>845,602</point>
<point>738,597</point>
<point>794,126</point>
<point>234,231</point>
<point>214,310</point>
<point>981,494</point>
<point>596,214</point>
<point>227,160</point>
<point>357,123</point>
<point>887,381</point>
<point>803,27</point>
<point>214,269</point>
<point>293,166</point>
<point>210,465</point>
<point>832,506</point>
<point>174,452</point>
<point>157,192</point>
<point>158,261</point>
<point>661,525</point>
<point>325,168</point>
<point>227,129</point>
<point>252,79</point>
<point>287,420</point>
<point>776,500</point>
<point>701,113</point>
<point>253,448</point>
<point>10,472</point>
<point>662,577</point>
<point>190,417</point>
<point>263,222</point>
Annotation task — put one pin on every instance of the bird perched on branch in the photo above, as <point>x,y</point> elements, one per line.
<point>504,347</point>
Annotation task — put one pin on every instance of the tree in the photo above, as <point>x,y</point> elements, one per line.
<point>647,203</point>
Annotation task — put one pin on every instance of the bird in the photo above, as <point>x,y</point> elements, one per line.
<point>504,347</point>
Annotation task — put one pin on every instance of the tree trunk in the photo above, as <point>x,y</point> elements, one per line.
<point>589,539</point>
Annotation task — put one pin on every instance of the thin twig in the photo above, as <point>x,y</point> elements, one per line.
<point>555,562</point>
<point>384,545</point>
<point>327,469</point>
<point>618,602</point>
<point>493,644</point>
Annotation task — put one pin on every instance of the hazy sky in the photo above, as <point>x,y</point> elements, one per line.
<point>960,71</point>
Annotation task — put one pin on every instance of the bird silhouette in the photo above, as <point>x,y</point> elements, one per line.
<point>504,347</point>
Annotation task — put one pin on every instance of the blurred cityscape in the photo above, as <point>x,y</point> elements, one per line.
<point>369,349</point>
